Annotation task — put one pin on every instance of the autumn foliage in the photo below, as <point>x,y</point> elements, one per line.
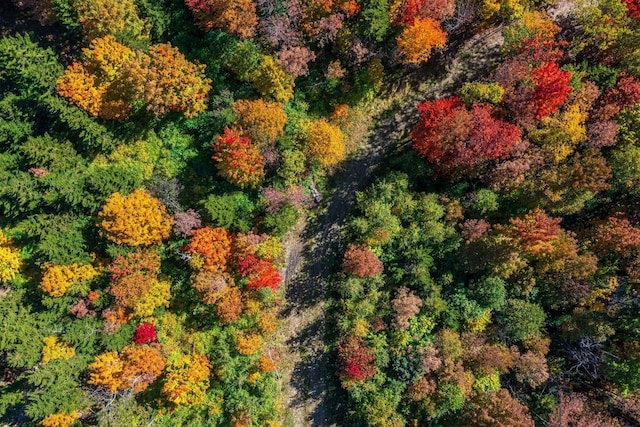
<point>145,333</point>
<point>135,367</point>
<point>187,380</point>
<point>324,141</point>
<point>356,360</point>
<point>261,273</point>
<point>213,245</point>
<point>360,261</point>
<point>260,120</point>
<point>551,89</point>
<point>457,138</point>
<point>138,219</point>
<point>165,81</point>
<point>238,160</point>
<point>58,279</point>
<point>118,18</point>
<point>10,260</point>
<point>237,17</point>
<point>419,38</point>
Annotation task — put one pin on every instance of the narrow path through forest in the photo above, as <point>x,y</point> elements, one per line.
<point>308,377</point>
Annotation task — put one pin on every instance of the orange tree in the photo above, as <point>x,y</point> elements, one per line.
<point>238,160</point>
<point>418,40</point>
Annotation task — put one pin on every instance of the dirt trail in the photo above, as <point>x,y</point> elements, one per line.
<point>307,376</point>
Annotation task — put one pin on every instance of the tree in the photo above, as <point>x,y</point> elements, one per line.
<point>211,285</point>
<point>187,380</point>
<point>497,409</point>
<point>617,235</point>
<point>99,85</point>
<point>472,92</point>
<point>551,88</point>
<point>536,231</point>
<point>238,160</point>
<point>270,79</point>
<point>573,410</point>
<point>324,141</point>
<point>230,305</point>
<point>418,40</point>
<point>54,349</point>
<point>295,60</point>
<point>138,219</point>
<point>60,279</point>
<point>531,368</point>
<point>261,273</point>
<point>455,138</point>
<point>416,9</point>
<point>185,222</point>
<point>118,18</point>
<point>356,360</point>
<point>145,334</point>
<point>10,259</point>
<point>405,306</point>
<point>213,245</point>
<point>166,81</point>
<point>523,319</point>
<point>260,120</point>
<point>360,261</point>
<point>59,419</point>
<point>237,17</point>
<point>248,344</point>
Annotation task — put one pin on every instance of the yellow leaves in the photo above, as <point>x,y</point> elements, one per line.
<point>561,133</point>
<point>60,419</point>
<point>600,296</point>
<point>106,371</point>
<point>158,295</point>
<point>479,324</point>
<point>248,344</point>
<point>135,220</point>
<point>54,349</point>
<point>57,279</point>
<point>260,120</point>
<point>187,380</point>
<point>136,367</point>
<point>97,86</point>
<point>113,77</point>
<point>324,141</point>
<point>418,40</point>
<point>10,260</point>
<point>116,17</point>
<point>271,80</point>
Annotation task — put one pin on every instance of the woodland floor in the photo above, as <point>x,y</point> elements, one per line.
<point>308,376</point>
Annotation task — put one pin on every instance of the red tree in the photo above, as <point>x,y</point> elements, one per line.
<point>361,262</point>
<point>238,160</point>
<point>145,333</point>
<point>633,8</point>
<point>454,138</point>
<point>438,10</point>
<point>535,231</point>
<point>356,360</point>
<point>261,273</point>
<point>551,89</point>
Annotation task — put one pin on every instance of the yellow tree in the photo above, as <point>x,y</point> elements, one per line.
<point>324,141</point>
<point>59,419</point>
<point>118,18</point>
<point>58,279</point>
<point>270,79</point>
<point>418,39</point>
<point>10,260</point>
<point>166,81</point>
<point>260,120</point>
<point>98,84</point>
<point>138,219</point>
<point>187,380</point>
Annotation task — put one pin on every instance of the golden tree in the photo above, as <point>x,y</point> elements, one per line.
<point>260,120</point>
<point>54,349</point>
<point>324,141</point>
<point>166,81</point>
<point>10,260</point>
<point>118,18</point>
<point>98,84</point>
<point>187,380</point>
<point>135,220</point>
<point>58,279</point>
<point>59,419</point>
<point>418,40</point>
